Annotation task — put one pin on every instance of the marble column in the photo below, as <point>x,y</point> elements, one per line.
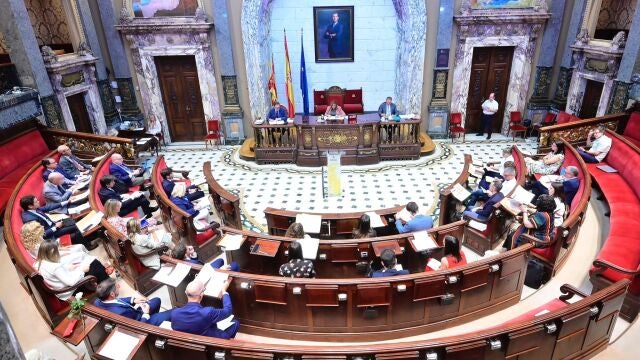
<point>231,111</point>
<point>564,78</point>
<point>121,70</point>
<point>539,102</point>
<point>439,106</point>
<point>91,38</point>
<point>25,54</point>
<point>630,61</point>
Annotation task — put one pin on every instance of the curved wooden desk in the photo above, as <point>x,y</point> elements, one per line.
<point>226,204</point>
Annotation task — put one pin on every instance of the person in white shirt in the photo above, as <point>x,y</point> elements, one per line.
<point>598,148</point>
<point>509,183</point>
<point>489,108</point>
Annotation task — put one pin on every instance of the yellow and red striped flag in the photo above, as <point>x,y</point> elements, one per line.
<point>272,83</point>
<point>289,83</point>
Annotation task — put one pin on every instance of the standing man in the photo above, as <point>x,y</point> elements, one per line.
<point>489,108</point>
<point>333,34</point>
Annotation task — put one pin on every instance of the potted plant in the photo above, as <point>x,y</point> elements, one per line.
<point>75,313</point>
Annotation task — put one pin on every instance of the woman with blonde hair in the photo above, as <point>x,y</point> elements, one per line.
<point>200,210</point>
<point>111,211</point>
<point>32,234</point>
<point>142,242</point>
<point>61,271</point>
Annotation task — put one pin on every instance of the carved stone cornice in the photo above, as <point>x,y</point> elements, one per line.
<point>164,25</point>
<point>67,61</point>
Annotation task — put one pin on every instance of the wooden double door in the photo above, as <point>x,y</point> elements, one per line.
<point>178,77</point>
<point>490,72</point>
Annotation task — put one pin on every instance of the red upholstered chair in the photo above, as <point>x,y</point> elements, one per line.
<point>563,118</point>
<point>547,121</point>
<point>455,126</point>
<point>213,133</point>
<point>515,125</point>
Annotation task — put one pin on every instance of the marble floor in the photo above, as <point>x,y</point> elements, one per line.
<point>383,185</point>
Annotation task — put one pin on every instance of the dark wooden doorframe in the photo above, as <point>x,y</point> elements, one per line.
<point>591,99</point>
<point>79,114</point>
<point>180,87</point>
<point>490,72</point>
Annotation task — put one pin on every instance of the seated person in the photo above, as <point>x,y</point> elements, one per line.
<point>193,192</point>
<point>550,163</point>
<point>387,265</point>
<point>364,229</point>
<point>107,192</point>
<point>136,307</point>
<point>186,253</point>
<point>570,185</point>
<point>334,110</point>
<point>154,127</point>
<point>112,209</point>
<point>557,192</point>
<point>59,271</point>
<point>277,112</point>
<point>70,163</point>
<point>495,169</point>
<point>31,211</point>
<point>295,231</point>
<point>125,174</point>
<point>32,235</point>
<point>414,221</point>
<point>509,183</point>
<point>51,165</point>
<point>453,254</point>
<point>196,319</point>
<point>298,266</point>
<point>539,224</point>
<point>55,193</point>
<point>388,108</point>
<point>142,242</point>
<point>483,213</point>
<point>599,145</point>
<point>200,210</point>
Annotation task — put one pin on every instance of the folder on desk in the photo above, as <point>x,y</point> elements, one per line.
<point>172,275</point>
<point>423,241</point>
<point>459,192</point>
<point>231,242</point>
<point>212,280</point>
<point>376,220</point>
<point>309,247</point>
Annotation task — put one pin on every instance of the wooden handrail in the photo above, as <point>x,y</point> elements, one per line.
<point>576,132</point>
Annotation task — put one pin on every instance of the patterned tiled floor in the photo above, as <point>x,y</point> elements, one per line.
<point>363,187</point>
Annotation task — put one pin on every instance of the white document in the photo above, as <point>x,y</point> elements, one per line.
<point>57,217</point>
<point>82,195</point>
<point>477,225</point>
<point>231,242</point>
<point>80,208</point>
<point>423,241</point>
<point>143,141</point>
<point>172,275</point>
<point>120,346</point>
<point>213,280</point>
<point>166,325</point>
<point>376,221</point>
<point>310,223</point>
<point>309,247</point>
<point>489,179</point>
<point>404,214</point>
<point>398,267</point>
<point>459,192</point>
<point>522,196</point>
<point>89,221</point>
<point>434,264</point>
<point>225,323</point>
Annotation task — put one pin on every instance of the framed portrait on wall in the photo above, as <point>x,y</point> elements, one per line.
<point>333,33</point>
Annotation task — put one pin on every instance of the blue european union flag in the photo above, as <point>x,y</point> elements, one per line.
<point>303,79</point>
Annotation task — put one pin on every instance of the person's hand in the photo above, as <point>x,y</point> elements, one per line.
<point>139,299</point>
<point>225,267</point>
<point>226,284</point>
<point>191,190</point>
<point>523,207</point>
<point>58,224</point>
<point>137,171</point>
<point>144,307</point>
<point>590,133</point>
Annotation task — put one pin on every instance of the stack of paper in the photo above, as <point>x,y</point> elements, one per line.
<point>522,196</point>
<point>212,280</point>
<point>459,192</point>
<point>310,222</point>
<point>172,275</point>
<point>119,346</point>
<point>89,221</point>
<point>423,241</point>
<point>376,221</point>
<point>309,247</point>
<point>434,264</point>
<point>477,225</point>
<point>231,242</point>
<point>404,214</point>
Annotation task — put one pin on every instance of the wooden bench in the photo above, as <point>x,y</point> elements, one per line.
<point>334,225</point>
<point>575,132</point>
<point>619,257</point>
<point>225,203</point>
<point>448,202</point>
<point>569,330</point>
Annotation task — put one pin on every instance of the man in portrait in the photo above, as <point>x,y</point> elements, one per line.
<point>333,34</point>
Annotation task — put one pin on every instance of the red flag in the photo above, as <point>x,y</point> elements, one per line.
<point>272,83</point>
<point>287,65</point>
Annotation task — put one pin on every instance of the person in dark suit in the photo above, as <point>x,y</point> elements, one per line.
<point>32,211</point>
<point>193,192</point>
<point>196,319</point>
<point>571,184</point>
<point>107,191</point>
<point>125,174</point>
<point>51,165</point>
<point>388,265</point>
<point>277,112</point>
<point>71,164</point>
<point>137,307</point>
<point>333,34</point>
<point>483,213</point>
<point>388,108</point>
